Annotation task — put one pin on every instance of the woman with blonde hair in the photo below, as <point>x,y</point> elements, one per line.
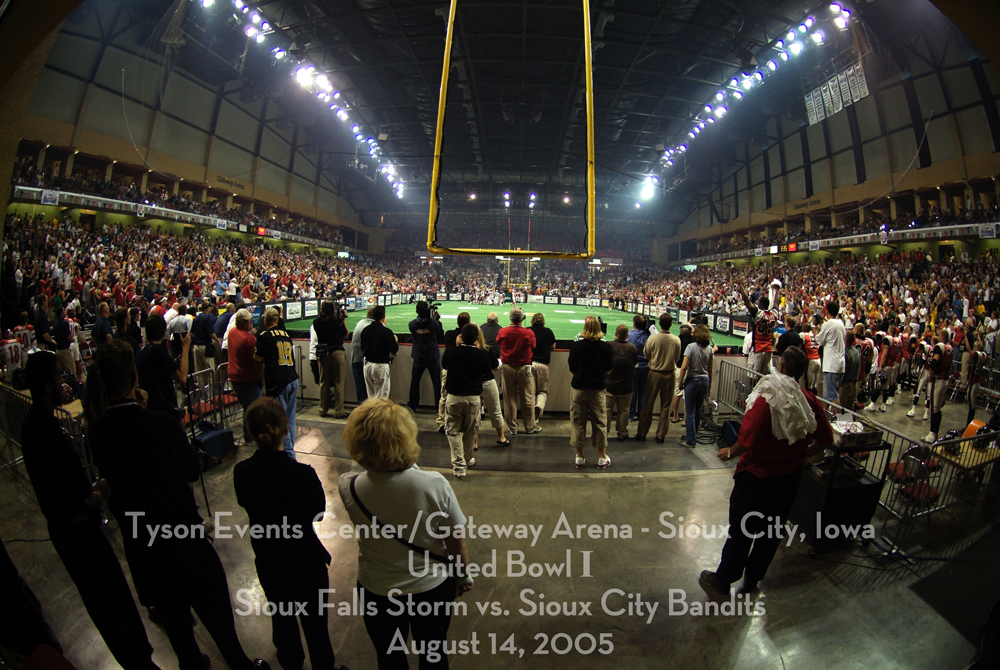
<point>381,437</point>
<point>590,359</point>
<point>275,490</point>
<point>696,380</point>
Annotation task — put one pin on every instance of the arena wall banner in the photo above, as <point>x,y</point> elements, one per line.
<point>988,230</point>
<point>551,300</point>
<point>683,315</point>
<point>722,324</point>
<point>455,296</point>
<point>221,224</point>
<point>310,308</point>
<point>711,321</point>
<point>395,298</point>
<point>381,300</point>
<point>814,245</point>
<point>293,310</point>
<point>566,301</point>
<point>442,296</point>
<point>407,297</point>
<point>370,301</point>
<point>50,197</point>
<point>536,299</point>
<point>740,327</point>
<point>255,314</point>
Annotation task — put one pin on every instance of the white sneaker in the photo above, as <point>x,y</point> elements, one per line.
<point>881,407</point>
<point>891,400</point>
<point>472,462</point>
<point>926,416</point>
<point>604,461</point>
<point>580,461</point>
<point>870,407</point>
<point>912,413</point>
<point>929,438</point>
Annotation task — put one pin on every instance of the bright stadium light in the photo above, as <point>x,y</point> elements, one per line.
<point>255,17</point>
<point>809,22</point>
<point>691,134</point>
<point>506,203</point>
<point>506,195</point>
<point>790,36</point>
<point>260,38</point>
<point>355,128</point>
<point>780,44</point>
<point>772,66</point>
<point>840,22</point>
<point>795,48</point>
<point>783,55</point>
<point>279,54</point>
<point>747,83</point>
<point>711,120</point>
<point>531,205</point>
<point>265,26</point>
<point>817,37</point>
<point>238,4</point>
<point>472,196</point>
<point>734,82</point>
<point>207,3</point>
<point>304,75</point>
<point>359,137</point>
<point>836,7</point>
<point>648,190</point>
<point>708,108</point>
<point>566,199</point>
<point>324,82</point>
<point>682,148</point>
<point>251,31</point>
<point>638,205</point>
<point>720,96</point>
<point>670,162</point>
<point>721,110</point>
<point>532,196</point>
<point>737,95</point>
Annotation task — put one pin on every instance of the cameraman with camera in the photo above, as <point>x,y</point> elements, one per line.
<point>427,334</point>
<point>642,328</point>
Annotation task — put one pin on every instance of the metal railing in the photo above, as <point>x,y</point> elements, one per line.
<point>14,408</point>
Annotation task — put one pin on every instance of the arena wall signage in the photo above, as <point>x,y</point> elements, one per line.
<point>293,310</point>
<point>310,308</point>
<point>551,300</point>
<point>988,230</point>
<point>722,323</point>
<point>740,327</point>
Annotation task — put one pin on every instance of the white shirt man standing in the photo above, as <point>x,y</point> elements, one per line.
<point>831,338</point>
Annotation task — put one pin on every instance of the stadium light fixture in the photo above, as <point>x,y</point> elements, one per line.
<point>251,31</point>
<point>472,196</point>
<point>336,95</point>
<point>355,128</point>
<point>783,55</point>
<point>265,26</point>
<point>532,196</point>
<point>721,110</point>
<point>780,44</point>
<point>734,82</point>
<point>795,48</point>
<point>737,95</point>
<point>790,36</point>
<point>648,191</point>
<point>279,53</point>
<point>708,108</point>
<point>506,203</point>
<point>255,17</point>
<point>691,134</point>
<point>260,38</point>
<point>772,66</point>
<point>324,82</point>
<point>238,4</point>
<point>710,120</point>
<point>506,195</point>
<point>720,96</point>
<point>747,83</point>
<point>809,22</point>
<point>566,199</point>
<point>682,148</point>
<point>638,205</point>
<point>207,3</point>
<point>670,162</point>
<point>836,7</point>
<point>817,37</point>
<point>840,22</point>
<point>758,76</point>
<point>304,75</point>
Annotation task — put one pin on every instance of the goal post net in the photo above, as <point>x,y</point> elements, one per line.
<point>510,175</point>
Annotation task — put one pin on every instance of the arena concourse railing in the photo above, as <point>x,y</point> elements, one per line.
<point>914,480</point>
<point>14,408</point>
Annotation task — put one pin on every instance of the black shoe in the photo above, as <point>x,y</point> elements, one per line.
<point>660,440</point>
<point>714,587</point>
<point>261,664</point>
<point>639,438</point>
<point>538,413</point>
<point>206,662</point>
<point>441,429</point>
<point>747,589</point>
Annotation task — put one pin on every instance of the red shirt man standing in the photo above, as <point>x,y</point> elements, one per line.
<point>516,346</point>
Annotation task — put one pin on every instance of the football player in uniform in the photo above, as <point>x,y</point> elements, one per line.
<point>25,333</point>
<point>815,370</point>
<point>14,353</point>
<point>939,367</point>
<point>890,355</point>
<point>762,321</point>
<point>866,352</point>
<point>975,371</point>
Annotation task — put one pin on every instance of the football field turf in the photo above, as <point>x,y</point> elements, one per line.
<point>566,321</point>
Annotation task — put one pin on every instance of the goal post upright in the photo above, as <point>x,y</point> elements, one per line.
<point>591,212</point>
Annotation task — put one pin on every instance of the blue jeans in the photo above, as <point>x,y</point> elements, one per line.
<point>695,393</point>
<point>287,400</point>
<point>359,381</point>
<point>246,393</point>
<point>639,393</point>
<point>831,386</point>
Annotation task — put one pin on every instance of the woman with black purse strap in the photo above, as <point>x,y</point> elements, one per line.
<point>381,437</point>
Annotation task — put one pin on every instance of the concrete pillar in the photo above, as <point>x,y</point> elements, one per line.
<point>40,163</point>
<point>943,200</point>
<point>144,182</point>
<point>836,220</point>
<point>810,224</point>
<point>892,208</point>
<point>109,171</point>
<point>175,188</point>
<point>69,165</point>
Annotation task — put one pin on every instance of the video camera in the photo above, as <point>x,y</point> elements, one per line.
<point>433,307</point>
<point>698,319</point>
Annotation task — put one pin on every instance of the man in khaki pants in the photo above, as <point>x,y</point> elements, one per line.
<point>662,350</point>
<point>467,365</point>
<point>517,345</point>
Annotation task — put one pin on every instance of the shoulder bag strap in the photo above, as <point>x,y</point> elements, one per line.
<point>377,524</point>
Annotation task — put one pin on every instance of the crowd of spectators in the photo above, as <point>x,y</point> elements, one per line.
<point>87,182</point>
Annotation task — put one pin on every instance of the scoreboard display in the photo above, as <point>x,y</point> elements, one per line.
<point>788,248</point>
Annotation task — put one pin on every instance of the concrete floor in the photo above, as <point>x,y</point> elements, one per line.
<point>819,613</point>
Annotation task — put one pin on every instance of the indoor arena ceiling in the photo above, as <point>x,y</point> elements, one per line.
<point>517,82</point>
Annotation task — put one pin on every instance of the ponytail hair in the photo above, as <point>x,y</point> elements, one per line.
<point>267,423</point>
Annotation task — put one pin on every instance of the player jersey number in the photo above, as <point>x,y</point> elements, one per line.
<point>285,353</point>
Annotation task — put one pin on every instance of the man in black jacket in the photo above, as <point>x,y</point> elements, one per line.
<point>427,335</point>
<point>449,343</point>
<point>466,364</point>
<point>379,346</point>
<point>173,565</point>
<point>72,508</point>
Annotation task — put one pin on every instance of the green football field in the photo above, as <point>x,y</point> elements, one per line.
<point>566,321</point>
